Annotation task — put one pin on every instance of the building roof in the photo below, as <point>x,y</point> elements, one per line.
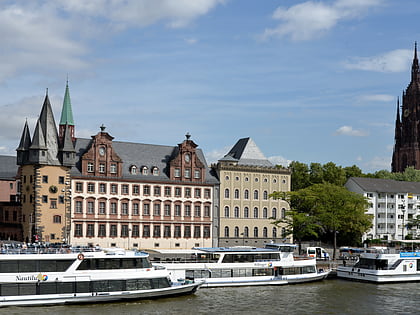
<point>386,185</point>
<point>142,155</point>
<point>246,152</point>
<point>66,112</point>
<point>8,167</point>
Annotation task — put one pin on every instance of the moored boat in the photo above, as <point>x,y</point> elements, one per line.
<point>238,266</point>
<point>85,277</point>
<point>383,267</point>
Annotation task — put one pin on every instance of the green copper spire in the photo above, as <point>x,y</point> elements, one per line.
<point>66,112</point>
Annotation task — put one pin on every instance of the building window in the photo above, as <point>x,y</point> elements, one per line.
<point>61,179</point>
<point>167,231</point>
<point>187,173</point>
<point>146,209</point>
<point>78,232</point>
<point>265,195</point>
<point>227,194</point>
<point>207,193</point>
<point>246,212</point>
<point>177,172</point>
<point>124,208</point>
<point>246,194</point>
<point>136,208</point>
<point>124,189</point>
<point>133,170</point>
<point>274,232</point>
<point>102,188</point>
<point>283,213</point>
<point>197,211</point>
<point>177,231</point>
<point>236,231</point>
<point>61,199</point>
<point>155,171</point>
<point>53,203</point>
<point>136,189</point>
<point>101,168</point>
<point>113,168</point>
<point>136,231</point>
<point>114,188</point>
<point>177,210</point>
<point>206,232</point>
<point>144,170</point>
<point>236,212</point>
<point>255,232</point>
<point>102,207</point>
<point>265,213</point>
<point>236,194</point>
<point>90,167</point>
<point>45,179</point>
<point>255,213</point>
<point>156,190</point>
<point>156,231</point>
<point>197,231</point>
<point>146,190</point>
<point>102,230</point>
<point>187,192</point>
<point>197,193</point>
<point>45,199</point>
<point>207,211</point>
<point>91,187</point>
<point>78,206</point>
<point>246,231</point>
<point>167,191</point>
<point>156,209</point>
<point>90,232</point>
<point>197,174</point>
<point>113,208</point>
<point>167,210</point>
<point>79,187</point>
<point>274,213</point>
<point>265,232</point>
<point>90,207</point>
<point>124,230</point>
<point>113,230</point>
<point>226,212</point>
<point>57,219</point>
<point>177,191</point>
<point>146,230</point>
<point>255,194</point>
<point>187,231</point>
<point>187,210</point>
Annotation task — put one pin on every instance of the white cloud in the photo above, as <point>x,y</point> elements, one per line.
<point>378,163</point>
<point>215,155</point>
<point>394,61</point>
<point>349,131</point>
<point>378,98</point>
<point>311,19</point>
<point>279,160</point>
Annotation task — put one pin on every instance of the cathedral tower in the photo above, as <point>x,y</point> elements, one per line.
<point>407,125</point>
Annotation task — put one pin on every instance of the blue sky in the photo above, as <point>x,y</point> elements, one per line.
<point>310,81</point>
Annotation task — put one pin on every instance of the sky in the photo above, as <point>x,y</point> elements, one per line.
<point>308,81</point>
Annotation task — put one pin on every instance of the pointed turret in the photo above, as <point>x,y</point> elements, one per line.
<point>23,148</point>
<point>66,121</point>
<point>415,66</point>
<point>67,150</point>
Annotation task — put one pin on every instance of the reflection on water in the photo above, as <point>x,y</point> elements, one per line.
<point>326,297</point>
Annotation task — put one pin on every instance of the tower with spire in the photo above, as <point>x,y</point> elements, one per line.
<point>407,124</point>
<point>45,161</point>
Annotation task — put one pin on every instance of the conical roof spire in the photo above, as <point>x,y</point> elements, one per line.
<point>25,140</point>
<point>415,66</point>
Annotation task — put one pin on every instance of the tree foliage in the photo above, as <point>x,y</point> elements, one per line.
<point>326,208</point>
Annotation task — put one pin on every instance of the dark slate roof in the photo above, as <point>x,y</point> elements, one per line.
<point>386,185</point>
<point>246,152</point>
<point>8,167</point>
<point>140,154</point>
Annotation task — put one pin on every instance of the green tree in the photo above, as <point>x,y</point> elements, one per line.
<point>316,173</point>
<point>300,175</point>
<point>353,171</point>
<point>334,174</point>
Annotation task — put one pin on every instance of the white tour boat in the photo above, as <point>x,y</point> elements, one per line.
<point>238,266</point>
<point>85,277</point>
<point>383,267</point>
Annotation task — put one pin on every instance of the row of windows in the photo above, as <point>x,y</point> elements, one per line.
<point>236,194</point>
<point>144,170</point>
<point>155,230</point>
<point>187,173</point>
<point>44,179</point>
<point>148,190</point>
<point>102,167</point>
<point>155,209</point>
<point>255,214</point>
<point>245,232</point>
<point>256,179</point>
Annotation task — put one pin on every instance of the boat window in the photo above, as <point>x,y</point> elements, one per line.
<point>262,272</point>
<point>82,287</point>
<point>160,283</point>
<point>193,274</point>
<point>15,266</point>
<point>114,263</point>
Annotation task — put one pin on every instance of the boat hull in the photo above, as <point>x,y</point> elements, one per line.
<point>376,276</point>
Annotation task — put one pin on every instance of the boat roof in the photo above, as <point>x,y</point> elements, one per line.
<point>235,249</point>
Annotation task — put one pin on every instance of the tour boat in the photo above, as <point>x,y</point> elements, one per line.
<point>85,277</point>
<point>238,266</point>
<point>383,267</point>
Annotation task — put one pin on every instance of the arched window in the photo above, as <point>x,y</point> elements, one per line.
<point>236,212</point>
<point>155,171</point>
<point>283,213</point>
<point>255,232</point>
<point>265,232</point>
<point>265,195</point>
<point>227,193</point>
<point>246,194</point>
<point>274,232</point>
<point>236,231</point>
<point>246,212</point>
<point>226,231</point>
<point>133,170</point>
<point>274,213</point>
<point>236,193</point>
<point>255,213</point>
<point>144,170</point>
<point>227,212</point>
<point>265,213</point>
<point>246,232</point>
<point>283,232</point>
<point>255,194</point>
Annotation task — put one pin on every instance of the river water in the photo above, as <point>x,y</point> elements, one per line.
<point>332,296</point>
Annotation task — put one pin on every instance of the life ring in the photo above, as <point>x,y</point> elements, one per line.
<point>80,257</point>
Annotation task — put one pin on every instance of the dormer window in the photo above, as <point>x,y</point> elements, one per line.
<point>90,167</point>
<point>144,170</point>
<point>155,171</point>
<point>113,168</point>
<point>133,170</point>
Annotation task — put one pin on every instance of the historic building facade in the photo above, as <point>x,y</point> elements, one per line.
<point>246,212</point>
<point>407,125</point>
<point>109,193</point>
